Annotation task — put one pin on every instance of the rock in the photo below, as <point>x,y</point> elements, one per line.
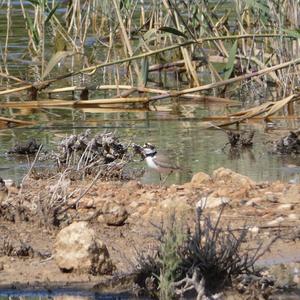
<point>275,222</point>
<point>230,177</point>
<point>86,203</point>
<point>77,248</point>
<point>199,179</point>
<point>292,195</point>
<point>286,206</point>
<point>212,202</point>
<point>175,204</point>
<point>243,201</point>
<point>114,214</point>
<point>1,266</point>
<point>254,229</point>
<point>271,197</point>
<point>277,186</point>
<point>293,217</point>
<point>136,204</point>
<point>251,203</point>
<point>133,186</point>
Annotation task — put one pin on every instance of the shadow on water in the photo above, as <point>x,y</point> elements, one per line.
<point>62,294</point>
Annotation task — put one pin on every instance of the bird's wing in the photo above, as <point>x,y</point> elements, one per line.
<point>164,162</point>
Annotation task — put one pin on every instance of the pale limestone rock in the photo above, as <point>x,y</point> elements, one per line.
<point>294,217</point>
<point>200,178</point>
<point>275,222</point>
<point>212,202</point>
<point>251,203</point>
<point>292,195</point>
<point>271,197</point>
<point>175,204</point>
<point>136,204</point>
<point>114,214</point>
<point>230,177</point>
<point>254,229</point>
<point>77,249</point>
<point>286,206</point>
<point>87,203</point>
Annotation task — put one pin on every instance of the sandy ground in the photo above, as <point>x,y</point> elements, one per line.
<point>269,209</point>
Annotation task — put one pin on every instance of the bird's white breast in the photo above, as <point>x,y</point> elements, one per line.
<point>150,163</point>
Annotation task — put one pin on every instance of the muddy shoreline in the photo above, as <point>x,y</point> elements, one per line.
<point>269,209</point>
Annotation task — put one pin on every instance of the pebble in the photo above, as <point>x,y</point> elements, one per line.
<point>293,217</point>
<point>212,202</point>
<point>243,201</point>
<point>271,197</point>
<point>1,266</point>
<point>254,229</point>
<point>276,221</point>
<point>286,206</point>
<point>251,203</point>
<point>135,204</point>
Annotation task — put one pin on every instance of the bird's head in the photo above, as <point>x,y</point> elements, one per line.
<point>149,150</point>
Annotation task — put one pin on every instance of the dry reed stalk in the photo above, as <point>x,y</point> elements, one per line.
<point>205,98</point>
<point>8,21</point>
<point>191,72</point>
<point>113,109</point>
<point>266,109</point>
<point>262,65</point>
<point>125,38</point>
<point>15,90</point>
<point>143,55</point>
<point>13,78</point>
<point>80,88</point>
<point>157,51</point>
<point>67,103</point>
<point>15,121</point>
<point>218,43</point>
<point>127,93</point>
<point>226,82</point>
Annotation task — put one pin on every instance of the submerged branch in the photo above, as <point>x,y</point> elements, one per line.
<point>266,110</point>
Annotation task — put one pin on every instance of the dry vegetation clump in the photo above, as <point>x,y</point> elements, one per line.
<point>83,158</point>
<point>101,155</point>
<point>29,148</point>
<point>8,247</point>
<point>289,144</point>
<point>202,263</point>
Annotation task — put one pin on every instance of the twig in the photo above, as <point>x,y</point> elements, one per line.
<point>82,194</point>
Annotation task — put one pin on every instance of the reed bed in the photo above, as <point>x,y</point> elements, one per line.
<point>241,46</point>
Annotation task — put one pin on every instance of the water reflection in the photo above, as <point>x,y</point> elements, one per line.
<point>60,295</point>
<point>192,148</point>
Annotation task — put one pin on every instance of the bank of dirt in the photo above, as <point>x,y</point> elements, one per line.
<point>124,215</point>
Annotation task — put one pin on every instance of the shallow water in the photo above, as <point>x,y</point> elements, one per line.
<point>174,129</point>
<point>60,295</point>
<point>192,148</point>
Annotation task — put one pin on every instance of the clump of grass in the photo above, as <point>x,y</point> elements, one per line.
<point>170,258</point>
<point>203,263</point>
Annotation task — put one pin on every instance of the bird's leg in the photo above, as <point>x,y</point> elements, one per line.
<point>160,182</point>
<point>165,179</point>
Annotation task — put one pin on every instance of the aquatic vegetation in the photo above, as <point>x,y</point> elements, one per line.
<point>138,42</point>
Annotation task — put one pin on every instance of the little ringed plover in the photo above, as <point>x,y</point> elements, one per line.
<point>157,161</point>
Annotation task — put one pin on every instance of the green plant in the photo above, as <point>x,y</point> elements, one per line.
<point>169,258</point>
<point>205,261</point>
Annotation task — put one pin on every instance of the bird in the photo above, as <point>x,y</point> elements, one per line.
<point>158,162</point>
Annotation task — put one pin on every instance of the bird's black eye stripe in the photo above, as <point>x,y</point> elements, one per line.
<point>151,154</point>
